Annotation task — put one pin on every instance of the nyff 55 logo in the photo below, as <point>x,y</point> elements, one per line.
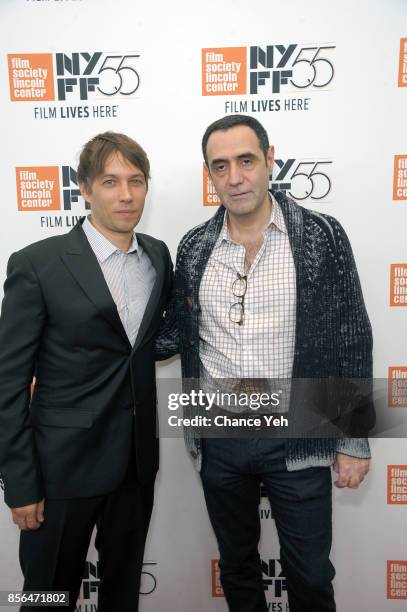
<point>273,578</point>
<point>300,179</point>
<point>76,76</point>
<point>242,70</point>
<point>91,579</point>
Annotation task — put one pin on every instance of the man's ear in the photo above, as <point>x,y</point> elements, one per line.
<point>85,191</point>
<point>270,158</point>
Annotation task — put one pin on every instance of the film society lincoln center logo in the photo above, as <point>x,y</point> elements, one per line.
<point>398,284</point>
<point>396,579</point>
<point>47,188</point>
<point>403,63</point>
<point>254,69</point>
<point>40,77</point>
<point>397,387</point>
<point>400,177</point>
<point>397,484</point>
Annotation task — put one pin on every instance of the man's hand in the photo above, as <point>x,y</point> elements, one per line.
<point>29,517</point>
<point>351,470</point>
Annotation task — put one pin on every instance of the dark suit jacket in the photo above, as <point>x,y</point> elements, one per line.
<point>59,323</point>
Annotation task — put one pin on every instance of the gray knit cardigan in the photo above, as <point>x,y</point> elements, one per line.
<point>333,332</point>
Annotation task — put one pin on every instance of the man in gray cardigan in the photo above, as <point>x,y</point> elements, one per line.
<point>267,289</point>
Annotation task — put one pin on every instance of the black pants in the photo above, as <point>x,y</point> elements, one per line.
<point>53,557</point>
<point>301,503</point>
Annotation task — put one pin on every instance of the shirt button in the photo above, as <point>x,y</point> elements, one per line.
<point>193,454</point>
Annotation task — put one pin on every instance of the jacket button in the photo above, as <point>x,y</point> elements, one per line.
<point>192,342</point>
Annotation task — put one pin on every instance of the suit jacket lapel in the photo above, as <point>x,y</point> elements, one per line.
<point>156,258</point>
<point>81,261</point>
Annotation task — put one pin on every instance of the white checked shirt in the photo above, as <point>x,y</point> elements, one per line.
<point>130,277</point>
<point>263,346</point>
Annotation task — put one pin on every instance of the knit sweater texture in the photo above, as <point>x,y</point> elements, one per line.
<point>333,333</point>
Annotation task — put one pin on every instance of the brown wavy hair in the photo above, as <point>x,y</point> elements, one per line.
<point>94,154</point>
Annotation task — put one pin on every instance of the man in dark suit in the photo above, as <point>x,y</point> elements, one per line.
<point>81,313</point>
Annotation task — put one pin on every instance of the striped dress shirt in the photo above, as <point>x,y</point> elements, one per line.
<point>129,276</point>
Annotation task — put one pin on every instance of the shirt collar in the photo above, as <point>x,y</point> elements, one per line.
<point>101,246</point>
<point>276,219</point>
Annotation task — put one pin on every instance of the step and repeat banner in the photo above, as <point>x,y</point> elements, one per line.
<point>329,82</point>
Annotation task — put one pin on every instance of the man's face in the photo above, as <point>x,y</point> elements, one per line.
<point>117,196</point>
<point>238,168</point>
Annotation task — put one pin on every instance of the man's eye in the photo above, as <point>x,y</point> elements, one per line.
<point>220,168</point>
<point>247,162</point>
<point>137,181</point>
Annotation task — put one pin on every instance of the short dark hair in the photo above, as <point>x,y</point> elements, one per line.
<point>231,121</point>
<point>95,153</point>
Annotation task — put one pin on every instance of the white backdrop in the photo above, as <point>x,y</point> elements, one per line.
<point>346,134</point>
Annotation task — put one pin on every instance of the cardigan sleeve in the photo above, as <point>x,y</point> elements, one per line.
<point>355,340</point>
